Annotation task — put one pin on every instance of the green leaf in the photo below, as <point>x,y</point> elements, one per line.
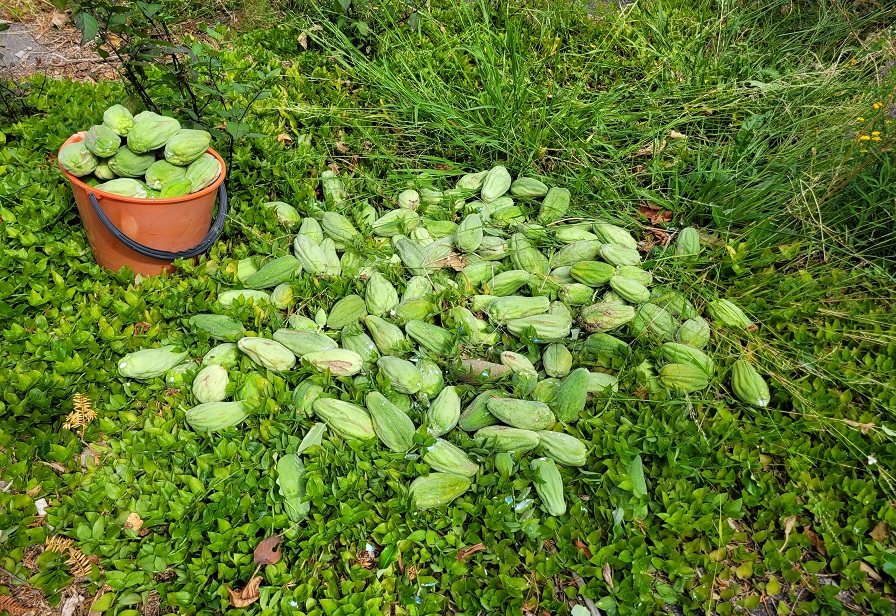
<point>88,25</point>
<point>635,471</point>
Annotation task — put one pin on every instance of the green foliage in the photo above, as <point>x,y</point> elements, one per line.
<point>685,501</point>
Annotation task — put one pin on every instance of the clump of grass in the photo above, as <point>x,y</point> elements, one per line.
<point>741,119</point>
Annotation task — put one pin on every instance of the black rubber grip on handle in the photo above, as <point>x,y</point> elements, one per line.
<point>213,234</point>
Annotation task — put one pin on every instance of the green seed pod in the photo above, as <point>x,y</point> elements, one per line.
<point>557,360</point>
<point>161,172</point>
<point>102,141</point>
<point>151,131</point>
<point>186,145</point>
<point>76,159</point>
<point>119,119</point>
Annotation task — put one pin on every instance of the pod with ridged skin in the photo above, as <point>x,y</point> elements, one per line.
<point>218,326</point>
<point>214,416</point>
<point>348,420</point>
<point>729,314</point>
<point>476,415</point>
<point>748,385</point>
<point>446,457</point>
<point>563,448</point>
<point>549,486</point>
<point>437,489</point>
<point>274,272</point>
<point>676,353</point>
<point>683,378</point>
<point>339,362</point>
<point>524,414</point>
<point>403,376</point>
<point>557,360</point>
<point>392,425</point>
<point>553,206</point>
<point>443,412</point>
<point>269,354</point>
<point>505,438</point>
<point>150,363</point>
<point>693,332</point>
<point>570,398</point>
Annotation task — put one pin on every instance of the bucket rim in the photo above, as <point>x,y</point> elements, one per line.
<point>101,194</point>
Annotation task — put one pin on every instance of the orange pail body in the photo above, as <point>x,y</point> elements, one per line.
<point>159,225</point>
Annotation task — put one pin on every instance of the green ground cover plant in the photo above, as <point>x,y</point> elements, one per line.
<point>768,125</point>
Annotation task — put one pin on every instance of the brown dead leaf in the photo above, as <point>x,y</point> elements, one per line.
<point>341,146</point>
<point>788,526</point>
<point>303,40</point>
<point>246,596</point>
<point>334,168</point>
<point>674,134</point>
<point>583,547</point>
<point>134,522</point>
<point>34,491</point>
<point>654,213</point>
<point>463,553</point>
<point>864,428</point>
<point>315,28</point>
<point>608,575</point>
<point>284,138</point>
<point>652,148</point>
<point>59,19</point>
<point>662,238</point>
<point>56,466</point>
<point>880,532</point>
<point>815,539</point>
<point>13,607</point>
<point>871,572</point>
<point>454,261</point>
<point>267,553</point>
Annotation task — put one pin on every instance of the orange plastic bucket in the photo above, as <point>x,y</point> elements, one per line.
<point>146,235</point>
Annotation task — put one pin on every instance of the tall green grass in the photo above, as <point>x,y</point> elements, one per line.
<point>764,98</point>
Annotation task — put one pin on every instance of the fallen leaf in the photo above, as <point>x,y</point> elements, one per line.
<point>341,147</point>
<point>284,138</point>
<point>334,168</point>
<point>134,522</point>
<point>662,238</point>
<point>871,572</point>
<point>815,539</point>
<point>864,428</point>
<point>10,605</point>
<point>70,605</point>
<point>315,28</point>
<point>454,261</point>
<point>880,532</point>
<point>654,213</point>
<point>59,19</point>
<point>608,575</point>
<point>303,40</point>
<point>463,553</point>
<point>788,526</point>
<point>674,134</point>
<point>246,596</point>
<point>651,148</point>
<point>56,466</point>
<point>33,491</point>
<point>583,547</point>
<point>267,553</point>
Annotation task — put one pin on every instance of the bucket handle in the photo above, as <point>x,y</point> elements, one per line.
<point>205,244</point>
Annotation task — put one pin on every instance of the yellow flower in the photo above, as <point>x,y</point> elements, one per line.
<point>874,133</point>
<point>853,61</point>
<point>864,138</point>
<point>875,139</point>
<point>860,119</point>
<point>877,105</point>
<point>864,151</point>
